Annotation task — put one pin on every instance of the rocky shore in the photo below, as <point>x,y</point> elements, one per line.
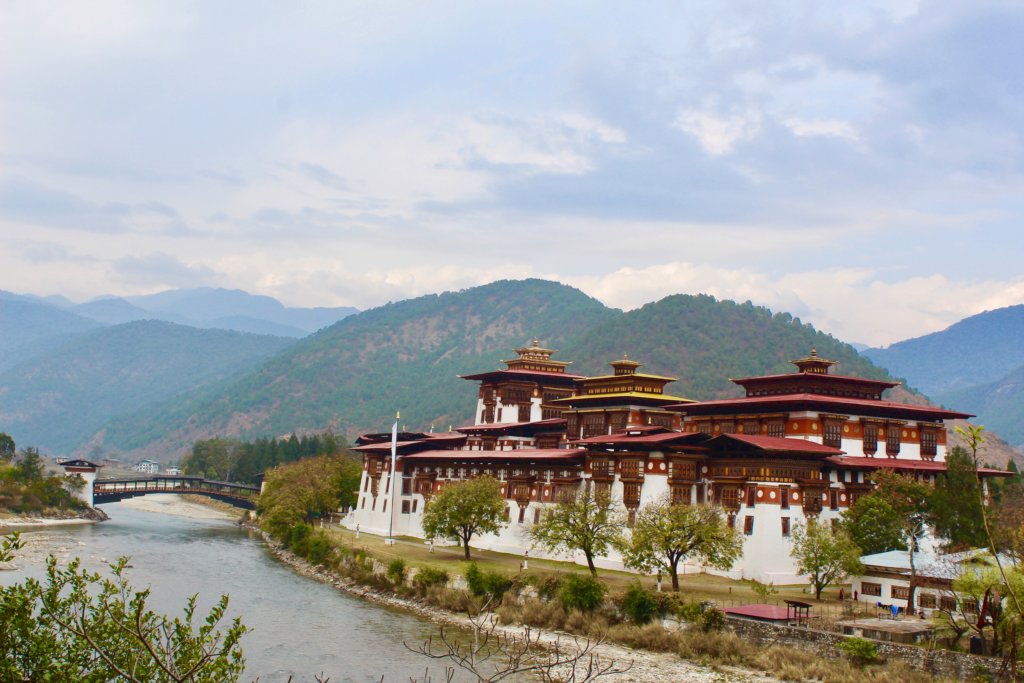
<point>644,666</point>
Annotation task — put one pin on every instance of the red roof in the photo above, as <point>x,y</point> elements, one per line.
<point>762,612</point>
<point>626,438</point>
<point>845,379</point>
<point>385,446</point>
<point>872,406</point>
<point>778,444</point>
<point>905,464</point>
<point>517,454</point>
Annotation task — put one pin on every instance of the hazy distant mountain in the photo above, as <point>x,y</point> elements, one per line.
<point>58,399</point>
<point>406,356</point>
<point>116,311</point>
<point>29,327</point>
<point>999,405</point>
<point>977,350</point>
<point>204,305</point>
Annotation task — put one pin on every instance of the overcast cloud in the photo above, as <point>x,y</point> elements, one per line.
<point>860,167</point>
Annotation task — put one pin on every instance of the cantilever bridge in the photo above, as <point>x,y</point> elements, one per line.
<point>113,490</point>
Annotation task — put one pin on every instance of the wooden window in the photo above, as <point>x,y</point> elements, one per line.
<point>704,427</point>
<point>947,603</point>
<point>870,439</point>
<point>363,505</point>
<point>524,412</point>
<point>873,589</point>
<point>630,469</point>
<point>536,515</point>
<point>522,515</point>
<point>969,607</point>
<point>748,525</point>
<point>751,427</point>
<point>631,496</point>
<point>680,495</point>
<point>405,507</point>
<point>777,429</point>
<point>926,600</point>
<point>414,504</point>
<point>385,508</point>
<point>406,486</point>
<point>728,427</point>
<point>601,488</point>
<point>833,499</point>
<point>892,440</point>
<point>659,421</point>
<point>929,444</point>
<point>617,421</point>
<point>751,496</point>
<point>899,592</point>
<point>488,414</point>
<point>785,526</point>
<point>833,433</point>
<point>602,468</point>
<point>593,424</point>
<point>729,498</point>
<point>784,497</point>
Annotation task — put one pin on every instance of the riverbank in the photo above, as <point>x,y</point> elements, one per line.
<point>12,523</point>
<point>644,666</point>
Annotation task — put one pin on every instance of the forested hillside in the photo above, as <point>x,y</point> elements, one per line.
<point>704,342</point>
<point>406,356</point>
<point>976,365</point>
<point>57,400</point>
<point>977,350</point>
<point>29,327</point>
<point>355,374</point>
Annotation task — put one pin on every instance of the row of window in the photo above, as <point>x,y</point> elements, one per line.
<point>924,600</point>
<point>748,524</point>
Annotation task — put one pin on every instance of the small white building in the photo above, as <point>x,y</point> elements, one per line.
<point>886,579</point>
<point>172,471</point>
<point>87,471</point>
<point>147,467</point>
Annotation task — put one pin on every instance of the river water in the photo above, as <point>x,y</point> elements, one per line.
<point>300,627</point>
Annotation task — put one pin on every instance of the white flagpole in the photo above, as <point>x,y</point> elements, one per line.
<point>394,481</point>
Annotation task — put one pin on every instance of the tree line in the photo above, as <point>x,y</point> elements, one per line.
<point>25,487</point>
<point>226,459</point>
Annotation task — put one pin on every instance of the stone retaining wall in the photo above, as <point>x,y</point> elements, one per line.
<point>946,663</point>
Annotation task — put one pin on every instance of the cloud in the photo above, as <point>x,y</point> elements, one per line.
<point>158,270</point>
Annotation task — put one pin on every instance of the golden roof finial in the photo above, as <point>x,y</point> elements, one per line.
<point>625,356</point>
<point>536,343</point>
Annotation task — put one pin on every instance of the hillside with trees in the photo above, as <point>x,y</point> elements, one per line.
<point>976,365</point>
<point>57,400</point>
<point>354,375</point>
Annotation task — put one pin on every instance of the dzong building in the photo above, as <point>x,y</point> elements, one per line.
<point>797,445</point>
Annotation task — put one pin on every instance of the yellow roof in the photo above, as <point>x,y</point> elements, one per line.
<point>623,394</point>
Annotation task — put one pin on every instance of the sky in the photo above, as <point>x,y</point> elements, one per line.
<point>858,165</point>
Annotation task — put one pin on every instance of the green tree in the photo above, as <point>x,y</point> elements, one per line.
<point>302,490</point>
<point>30,467</point>
<point>464,510</point>
<point>7,448</point>
<point>911,499</point>
<point>590,523</point>
<point>77,626</point>
<point>874,525</point>
<point>827,555</point>
<point>956,512</point>
<point>665,535</point>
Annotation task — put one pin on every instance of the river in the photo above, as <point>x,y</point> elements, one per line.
<point>300,627</point>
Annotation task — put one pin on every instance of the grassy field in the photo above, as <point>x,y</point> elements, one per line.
<point>725,592</point>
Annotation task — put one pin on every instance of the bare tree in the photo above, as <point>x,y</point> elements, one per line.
<point>493,655</point>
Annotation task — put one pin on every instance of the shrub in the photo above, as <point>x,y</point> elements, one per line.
<point>548,586</point>
<point>396,570</point>
<point>690,612</point>
<point>489,584</point>
<point>297,538</point>
<point>650,637</point>
<point>712,620</point>
<point>318,548</point>
<point>430,576</point>
<point>639,605</point>
<point>860,651</point>
<point>582,592</point>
